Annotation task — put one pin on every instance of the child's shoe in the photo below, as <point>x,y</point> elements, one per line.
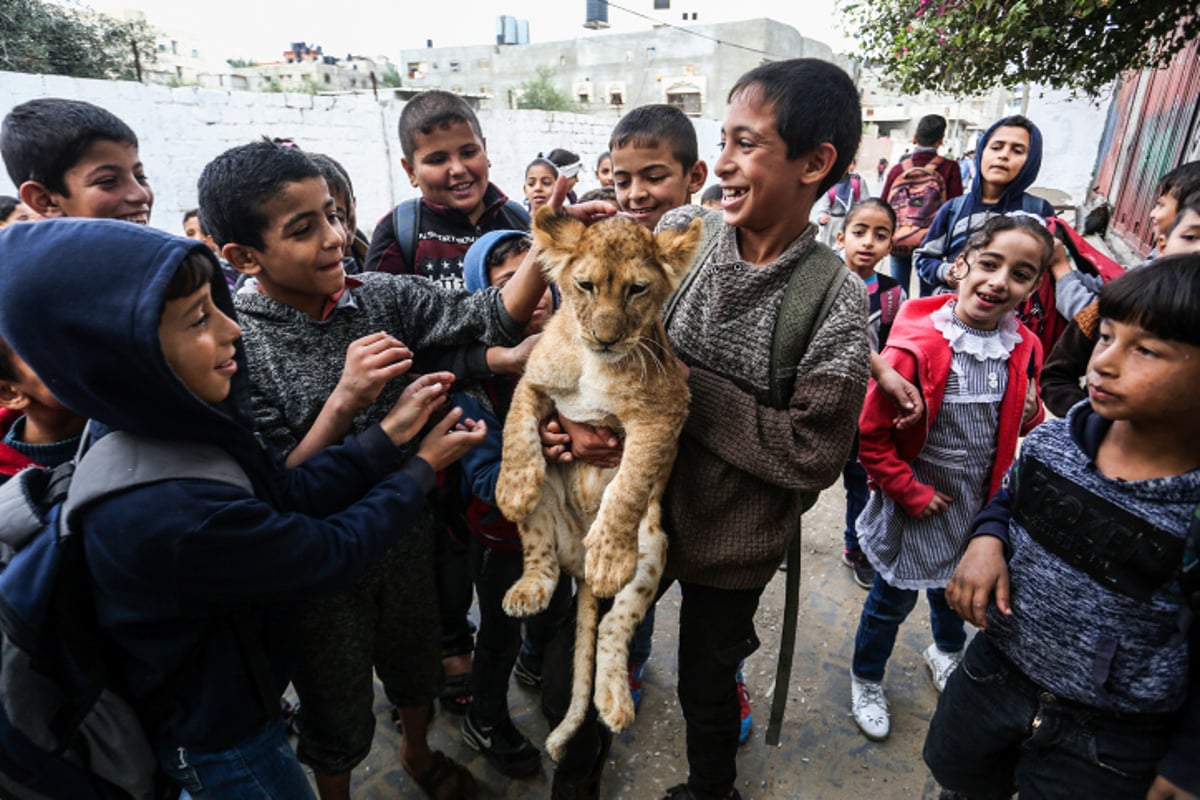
<point>870,709</point>
<point>635,683</point>
<point>504,747</point>
<point>860,567</point>
<point>941,664</point>
<point>526,672</point>
<point>747,716</point>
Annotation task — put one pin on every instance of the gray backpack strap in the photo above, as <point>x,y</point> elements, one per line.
<point>121,461</point>
<point>811,291</point>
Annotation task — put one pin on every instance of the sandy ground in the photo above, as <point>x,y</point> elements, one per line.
<point>821,754</point>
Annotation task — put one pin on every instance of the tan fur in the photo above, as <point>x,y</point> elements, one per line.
<point>603,359</point>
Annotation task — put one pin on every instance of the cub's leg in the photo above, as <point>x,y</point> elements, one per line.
<point>613,701</point>
<point>539,543</point>
<point>522,465</point>
<point>583,666</point>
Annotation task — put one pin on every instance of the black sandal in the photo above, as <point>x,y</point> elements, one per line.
<point>456,696</point>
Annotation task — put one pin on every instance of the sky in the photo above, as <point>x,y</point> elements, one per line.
<point>262,29</point>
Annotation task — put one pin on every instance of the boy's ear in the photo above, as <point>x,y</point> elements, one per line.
<point>40,199</point>
<point>243,259</point>
<point>408,170</point>
<point>12,397</point>
<point>697,176</point>
<point>818,163</point>
<point>1160,242</point>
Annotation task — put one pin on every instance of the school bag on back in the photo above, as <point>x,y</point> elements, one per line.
<point>65,729</point>
<point>915,196</point>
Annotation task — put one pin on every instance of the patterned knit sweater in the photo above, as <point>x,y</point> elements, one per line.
<point>1084,636</point>
<point>733,501</point>
<point>295,362</point>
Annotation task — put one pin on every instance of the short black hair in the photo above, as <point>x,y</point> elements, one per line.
<point>1180,182</point>
<point>712,194</point>
<point>602,193</point>
<point>41,139</point>
<point>194,212</point>
<point>1191,203</point>
<point>814,102</point>
<point>505,248</point>
<point>658,124</point>
<point>433,109</point>
<point>931,130</point>
<point>8,205</point>
<point>235,185</point>
<point>871,202</point>
<point>335,175</point>
<point>196,270</point>
<point>1014,222</point>
<point>1163,298</point>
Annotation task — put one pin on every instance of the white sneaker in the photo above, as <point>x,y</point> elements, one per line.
<point>870,709</point>
<point>941,664</point>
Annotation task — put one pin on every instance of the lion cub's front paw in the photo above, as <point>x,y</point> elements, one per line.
<point>528,596</point>
<point>608,568</point>
<point>518,492</point>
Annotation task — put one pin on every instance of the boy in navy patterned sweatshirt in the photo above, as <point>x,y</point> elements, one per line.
<point>1081,682</point>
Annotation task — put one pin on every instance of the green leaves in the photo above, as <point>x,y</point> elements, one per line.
<point>965,47</point>
<point>68,39</point>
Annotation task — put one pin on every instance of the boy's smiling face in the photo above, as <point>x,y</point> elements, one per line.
<point>650,181</point>
<point>108,182</point>
<point>300,263</point>
<point>197,340</point>
<point>450,167</point>
<point>1185,237</point>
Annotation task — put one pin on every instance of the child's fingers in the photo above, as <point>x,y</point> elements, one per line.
<point>1002,594</point>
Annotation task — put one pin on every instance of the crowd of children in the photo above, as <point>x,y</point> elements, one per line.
<point>323,365</point>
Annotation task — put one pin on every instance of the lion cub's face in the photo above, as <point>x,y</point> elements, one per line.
<point>613,276</point>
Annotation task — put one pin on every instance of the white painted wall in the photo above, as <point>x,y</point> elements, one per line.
<point>181,130</point>
<point>1071,131</point>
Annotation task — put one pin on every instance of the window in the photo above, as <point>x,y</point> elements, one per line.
<point>687,102</point>
<point>195,53</point>
<point>455,66</point>
<point>661,4</point>
<point>616,99</point>
<point>327,77</point>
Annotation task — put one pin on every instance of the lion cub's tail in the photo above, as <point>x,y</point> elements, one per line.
<point>585,661</point>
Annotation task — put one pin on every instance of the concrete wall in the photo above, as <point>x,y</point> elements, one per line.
<point>1071,131</point>
<point>181,130</point>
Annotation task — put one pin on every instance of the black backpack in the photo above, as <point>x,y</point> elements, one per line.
<point>66,731</point>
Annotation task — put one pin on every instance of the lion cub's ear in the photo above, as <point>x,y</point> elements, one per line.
<point>558,237</point>
<point>678,248</point>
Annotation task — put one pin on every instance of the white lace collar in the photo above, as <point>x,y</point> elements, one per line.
<point>980,344</point>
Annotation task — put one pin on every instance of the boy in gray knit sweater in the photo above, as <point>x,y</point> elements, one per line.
<point>1082,681</point>
<point>791,129</point>
<point>326,355</point>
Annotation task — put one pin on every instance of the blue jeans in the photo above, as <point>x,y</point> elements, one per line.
<point>261,767</point>
<point>854,478</point>
<point>996,732</point>
<point>639,648</point>
<point>902,271</point>
<point>885,609</point>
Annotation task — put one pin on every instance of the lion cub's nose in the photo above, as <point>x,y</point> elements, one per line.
<point>606,342</point>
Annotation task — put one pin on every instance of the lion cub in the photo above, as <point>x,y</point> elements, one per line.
<point>604,359</point>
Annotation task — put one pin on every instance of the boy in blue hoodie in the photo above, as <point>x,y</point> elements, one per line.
<point>327,353</point>
<point>193,580</point>
<point>1007,162</point>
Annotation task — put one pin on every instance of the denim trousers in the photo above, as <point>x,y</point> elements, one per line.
<point>902,271</point>
<point>886,607</point>
<point>996,732</point>
<point>261,767</point>
<point>854,478</point>
<point>499,636</point>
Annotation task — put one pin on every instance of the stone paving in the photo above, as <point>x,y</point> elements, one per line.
<point>821,755</point>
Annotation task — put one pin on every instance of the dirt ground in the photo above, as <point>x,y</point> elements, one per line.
<point>821,755</point>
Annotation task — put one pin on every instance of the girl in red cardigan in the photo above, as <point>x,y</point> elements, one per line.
<point>977,367</point>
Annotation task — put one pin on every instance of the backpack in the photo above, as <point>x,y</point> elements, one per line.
<point>406,225</point>
<point>65,728</point>
<point>915,196</point>
<point>811,291</point>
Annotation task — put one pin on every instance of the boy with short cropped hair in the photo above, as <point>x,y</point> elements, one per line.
<point>69,158</point>
<point>37,430</point>
<point>195,580</point>
<point>1170,194</point>
<point>656,162</point>
<point>734,500</point>
<point>349,338</point>
<point>1081,574</point>
<point>445,157</point>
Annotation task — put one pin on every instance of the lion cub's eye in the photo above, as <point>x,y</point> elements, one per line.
<point>637,288</point>
<point>586,286</point>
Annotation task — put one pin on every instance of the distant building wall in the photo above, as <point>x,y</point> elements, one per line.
<point>181,130</point>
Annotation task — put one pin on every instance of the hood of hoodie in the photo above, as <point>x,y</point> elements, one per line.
<point>1010,198</point>
<point>475,271</point>
<point>80,301</point>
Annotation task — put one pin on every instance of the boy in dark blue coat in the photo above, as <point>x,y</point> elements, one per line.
<point>175,563</point>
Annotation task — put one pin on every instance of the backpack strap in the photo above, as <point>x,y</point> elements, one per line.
<point>519,211</point>
<point>406,222</point>
<point>812,288</point>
